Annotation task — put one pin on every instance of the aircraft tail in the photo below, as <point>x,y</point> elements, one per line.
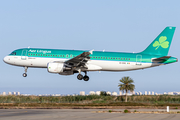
<point>161,45</point>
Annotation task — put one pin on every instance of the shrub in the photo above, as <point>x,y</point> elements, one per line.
<point>110,111</point>
<point>126,111</point>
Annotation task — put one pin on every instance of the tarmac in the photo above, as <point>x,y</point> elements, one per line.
<point>82,114</point>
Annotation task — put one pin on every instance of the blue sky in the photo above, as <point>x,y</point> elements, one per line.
<point>118,25</point>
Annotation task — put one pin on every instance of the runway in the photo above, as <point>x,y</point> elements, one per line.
<point>80,114</point>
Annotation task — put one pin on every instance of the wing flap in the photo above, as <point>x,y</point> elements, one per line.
<point>80,60</point>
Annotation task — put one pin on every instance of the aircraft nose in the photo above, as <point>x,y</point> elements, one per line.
<point>5,59</point>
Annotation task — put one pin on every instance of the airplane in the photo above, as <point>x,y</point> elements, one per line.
<point>68,62</point>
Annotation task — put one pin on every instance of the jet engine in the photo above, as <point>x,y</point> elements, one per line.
<point>60,68</point>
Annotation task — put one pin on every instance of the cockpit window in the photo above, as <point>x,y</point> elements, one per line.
<point>13,53</point>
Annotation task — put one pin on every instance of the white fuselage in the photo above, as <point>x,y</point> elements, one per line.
<point>94,65</point>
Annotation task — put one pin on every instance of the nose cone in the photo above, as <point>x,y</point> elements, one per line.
<point>5,59</point>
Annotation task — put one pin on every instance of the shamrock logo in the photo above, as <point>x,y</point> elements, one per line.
<point>162,42</point>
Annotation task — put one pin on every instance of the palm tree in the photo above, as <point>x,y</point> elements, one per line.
<point>127,85</point>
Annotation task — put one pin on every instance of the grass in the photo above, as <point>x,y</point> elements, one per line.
<point>90,100</point>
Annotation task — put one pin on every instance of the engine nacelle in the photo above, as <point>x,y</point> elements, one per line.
<point>60,68</point>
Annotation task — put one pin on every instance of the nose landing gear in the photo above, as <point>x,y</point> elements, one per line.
<point>25,74</point>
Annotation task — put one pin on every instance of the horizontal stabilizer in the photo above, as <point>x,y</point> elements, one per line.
<point>161,59</point>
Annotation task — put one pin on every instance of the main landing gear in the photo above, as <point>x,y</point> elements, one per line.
<point>85,77</point>
<point>25,74</point>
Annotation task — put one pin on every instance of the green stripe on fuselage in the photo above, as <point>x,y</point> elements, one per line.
<point>97,55</point>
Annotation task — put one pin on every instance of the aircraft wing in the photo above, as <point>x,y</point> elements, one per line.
<point>80,60</point>
<point>161,59</point>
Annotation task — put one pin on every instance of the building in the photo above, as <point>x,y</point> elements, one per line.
<point>108,93</point>
<point>120,93</point>
<point>145,93</point>
<point>91,93</point>
<point>9,93</point>
<point>149,93</point>
<point>82,93</point>
<point>98,92</point>
<point>14,93</point>
<point>170,93</point>
<point>152,92</point>
<point>114,93</point>
<point>4,93</point>
<point>17,93</point>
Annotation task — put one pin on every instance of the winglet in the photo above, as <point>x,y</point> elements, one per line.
<point>91,51</point>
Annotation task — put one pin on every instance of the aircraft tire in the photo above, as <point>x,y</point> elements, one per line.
<point>80,77</point>
<point>24,75</point>
<point>86,78</point>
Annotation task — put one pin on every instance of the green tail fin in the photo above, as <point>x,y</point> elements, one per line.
<point>161,45</point>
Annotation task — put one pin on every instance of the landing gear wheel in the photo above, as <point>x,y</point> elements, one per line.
<point>80,77</point>
<point>86,78</point>
<point>24,75</point>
